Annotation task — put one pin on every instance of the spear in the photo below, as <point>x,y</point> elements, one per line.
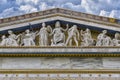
<point>31,27</point>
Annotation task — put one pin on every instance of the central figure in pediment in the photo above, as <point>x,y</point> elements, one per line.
<point>58,35</point>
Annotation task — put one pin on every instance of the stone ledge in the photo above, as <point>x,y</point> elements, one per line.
<point>61,50</point>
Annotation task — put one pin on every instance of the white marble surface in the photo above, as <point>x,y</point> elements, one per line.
<point>59,63</point>
<point>59,50</point>
<point>111,62</point>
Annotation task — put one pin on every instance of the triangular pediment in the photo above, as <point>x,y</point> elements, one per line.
<point>33,22</point>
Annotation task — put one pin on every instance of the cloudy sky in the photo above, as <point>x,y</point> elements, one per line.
<point>109,8</point>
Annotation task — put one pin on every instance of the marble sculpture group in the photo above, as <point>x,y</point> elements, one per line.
<point>57,37</point>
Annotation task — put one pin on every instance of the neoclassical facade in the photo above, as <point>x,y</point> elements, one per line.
<point>59,44</point>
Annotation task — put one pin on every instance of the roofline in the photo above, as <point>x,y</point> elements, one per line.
<point>62,11</point>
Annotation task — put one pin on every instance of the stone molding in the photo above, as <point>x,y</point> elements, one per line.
<point>57,11</point>
<point>60,71</point>
<point>60,51</point>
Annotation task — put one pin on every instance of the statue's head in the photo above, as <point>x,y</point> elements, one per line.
<point>87,30</point>
<point>10,32</point>
<point>3,37</point>
<point>104,31</point>
<point>75,26</point>
<point>27,31</point>
<point>117,35</point>
<point>57,24</point>
<point>43,24</point>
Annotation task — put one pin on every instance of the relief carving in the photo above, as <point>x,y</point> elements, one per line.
<point>58,36</point>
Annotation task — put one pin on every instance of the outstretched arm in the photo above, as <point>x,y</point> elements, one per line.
<point>17,36</point>
<point>36,33</point>
<point>66,28</point>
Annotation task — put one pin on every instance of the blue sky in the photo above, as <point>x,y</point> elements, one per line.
<point>108,8</point>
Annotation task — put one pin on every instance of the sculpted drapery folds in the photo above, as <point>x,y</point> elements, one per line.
<point>43,36</point>
<point>28,39</point>
<point>58,36</point>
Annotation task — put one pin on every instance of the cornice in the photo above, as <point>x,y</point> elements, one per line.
<point>59,12</point>
<point>81,53</point>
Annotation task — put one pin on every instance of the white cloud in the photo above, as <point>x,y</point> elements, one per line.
<point>44,6</point>
<point>9,12</point>
<point>3,2</point>
<point>28,8</point>
<point>109,8</point>
<point>72,6</point>
<point>19,2</point>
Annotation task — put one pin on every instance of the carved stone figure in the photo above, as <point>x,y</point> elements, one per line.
<point>101,38</point>
<point>86,38</point>
<point>107,41</point>
<point>12,39</point>
<point>43,36</point>
<point>28,39</point>
<point>4,41</point>
<point>73,33</point>
<point>58,35</point>
<point>116,41</point>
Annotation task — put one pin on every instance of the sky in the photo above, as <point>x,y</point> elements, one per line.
<point>107,8</point>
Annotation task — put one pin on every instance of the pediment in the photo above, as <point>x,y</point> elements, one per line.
<point>34,23</point>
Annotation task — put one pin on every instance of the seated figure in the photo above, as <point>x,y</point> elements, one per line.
<point>116,40</point>
<point>58,35</point>
<point>12,39</point>
<point>86,38</point>
<point>103,39</point>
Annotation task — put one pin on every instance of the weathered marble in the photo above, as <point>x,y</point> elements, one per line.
<point>111,62</point>
<point>59,50</point>
<point>59,63</point>
<point>21,63</point>
<point>86,63</point>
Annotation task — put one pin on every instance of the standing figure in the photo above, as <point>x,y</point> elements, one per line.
<point>4,41</point>
<point>43,36</point>
<point>86,38</point>
<point>28,39</point>
<point>73,33</point>
<point>101,38</point>
<point>12,39</point>
<point>116,41</point>
<point>58,35</point>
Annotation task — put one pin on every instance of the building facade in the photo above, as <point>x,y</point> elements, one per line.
<point>59,44</point>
